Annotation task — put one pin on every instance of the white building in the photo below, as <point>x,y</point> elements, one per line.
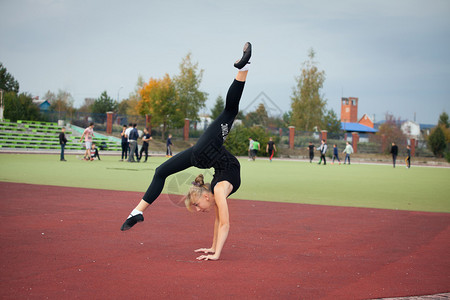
<point>411,129</point>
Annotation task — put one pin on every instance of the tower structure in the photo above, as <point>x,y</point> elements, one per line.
<point>349,110</point>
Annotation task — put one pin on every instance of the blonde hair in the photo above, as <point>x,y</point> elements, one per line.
<point>196,190</point>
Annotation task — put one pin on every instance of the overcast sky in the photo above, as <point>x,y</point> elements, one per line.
<point>391,54</point>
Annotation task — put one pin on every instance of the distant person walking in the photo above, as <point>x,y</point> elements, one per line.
<point>169,146</point>
<point>256,148</point>
<point>62,142</point>
<point>145,139</point>
<point>348,151</point>
<point>134,135</point>
<point>250,148</point>
<point>408,157</point>
<point>311,148</point>
<point>124,143</point>
<point>88,134</point>
<point>335,154</point>
<point>271,148</point>
<point>323,150</point>
<point>394,152</point>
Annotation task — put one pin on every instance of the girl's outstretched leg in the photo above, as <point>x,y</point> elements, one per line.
<point>178,163</point>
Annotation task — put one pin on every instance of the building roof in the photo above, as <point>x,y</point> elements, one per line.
<point>356,127</point>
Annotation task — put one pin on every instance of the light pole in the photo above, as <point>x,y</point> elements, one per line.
<point>1,105</point>
<point>118,93</point>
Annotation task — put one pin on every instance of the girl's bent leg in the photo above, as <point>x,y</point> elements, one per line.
<point>178,163</point>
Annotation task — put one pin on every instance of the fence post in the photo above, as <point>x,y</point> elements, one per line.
<point>355,140</point>
<point>291,136</point>
<point>186,129</point>
<point>412,144</point>
<point>148,124</point>
<point>109,118</point>
<point>324,135</point>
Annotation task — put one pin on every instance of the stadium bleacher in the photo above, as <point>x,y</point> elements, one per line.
<point>44,135</point>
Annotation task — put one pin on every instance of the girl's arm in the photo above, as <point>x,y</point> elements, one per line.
<point>222,222</point>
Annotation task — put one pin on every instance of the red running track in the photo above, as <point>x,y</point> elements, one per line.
<point>65,243</point>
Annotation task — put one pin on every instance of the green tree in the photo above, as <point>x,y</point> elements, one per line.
<point>187,85</point>
<point>331,122</point>
<point>443,120</point>
<point>218,108</point>
<point>237,140</point>
<point>159,99</point>
<point>20,107</point>
<point>7,81</point>
<point>308,105</point>
<point>287,116</point>
<point>103,104</point>
<point>436,141</point>
<point>257,117</point>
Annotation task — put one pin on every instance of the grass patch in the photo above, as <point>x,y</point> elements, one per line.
<point>357,185</point>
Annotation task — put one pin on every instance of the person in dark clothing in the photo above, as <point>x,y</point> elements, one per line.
<point>394,152</point>
<point>169,146</point>
<point>207,153</point>
<point>124,143</point>
<point>335,154</point>
<point>62,142</point>
<point>271,148</point>
<point>145,139</point>
<point>134,135</point>
<point>311,151</point>
<point>94,152</point>
<point>408,157</point>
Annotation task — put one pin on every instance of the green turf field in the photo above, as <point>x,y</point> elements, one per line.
<point>359,185</point>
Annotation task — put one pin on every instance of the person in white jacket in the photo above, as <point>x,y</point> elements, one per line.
<point>348,150</point>
<point>323,150</point>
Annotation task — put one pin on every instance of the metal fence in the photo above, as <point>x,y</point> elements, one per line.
<point>368,143</point>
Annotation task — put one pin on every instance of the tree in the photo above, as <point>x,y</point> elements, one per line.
<point>7,81</point>
<point>20,107</point>
<point>331,122</point>
<point>218,108</point>
<point>287,116</point>
<point>187,84</point>
<point>258,117</point>
<point>237,140</point>
<point>307,103</point>
<point>436,141</point>
<point>87,105</point>
<point>159,99</point>
<point>104,104</point>
<point>62,102</point>
<point>391,131</point>
<point>135,98</point>
<point>443,120</point>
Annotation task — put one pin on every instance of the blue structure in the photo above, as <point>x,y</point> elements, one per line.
<point>43,105</point>
<point>356,127</point>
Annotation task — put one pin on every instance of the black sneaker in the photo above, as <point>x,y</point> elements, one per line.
<point>245,57</point>
<point>130,222</point>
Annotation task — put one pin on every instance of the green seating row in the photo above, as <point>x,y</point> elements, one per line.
<point>43,135</point>
<point>36,122</point>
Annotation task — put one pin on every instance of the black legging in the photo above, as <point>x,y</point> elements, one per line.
<point>206,151</point>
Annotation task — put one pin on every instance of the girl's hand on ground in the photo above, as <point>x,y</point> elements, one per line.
<point>206,250</point>
<point>208,257</point>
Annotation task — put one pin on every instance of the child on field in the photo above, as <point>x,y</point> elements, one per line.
<point>335,154</point>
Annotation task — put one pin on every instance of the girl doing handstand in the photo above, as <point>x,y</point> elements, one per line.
<point>208,152</point>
